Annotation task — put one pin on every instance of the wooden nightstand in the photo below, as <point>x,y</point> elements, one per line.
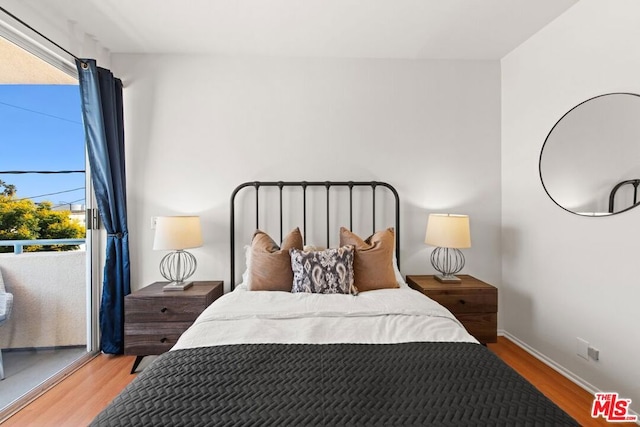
<point>154,319</point>
<point>473,302</point>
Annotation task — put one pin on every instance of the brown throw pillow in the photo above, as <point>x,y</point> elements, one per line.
<point>373,262</point>
<point>270,265</point>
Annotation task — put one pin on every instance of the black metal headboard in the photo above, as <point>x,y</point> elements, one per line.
<point>350,185</point>
<point>612,195</point>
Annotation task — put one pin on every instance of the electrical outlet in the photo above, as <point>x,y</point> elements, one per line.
<point>582,348</point>
<point>594,353</point>
<point>154,220</point>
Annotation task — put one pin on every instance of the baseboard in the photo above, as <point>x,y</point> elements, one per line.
<point>557,367</point>
<point>547,361</point>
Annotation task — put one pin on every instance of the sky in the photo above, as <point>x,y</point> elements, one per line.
<point>41,129</point>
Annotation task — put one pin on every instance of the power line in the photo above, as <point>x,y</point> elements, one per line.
<point>41,113</point>
<point>67,203</point>
<point>52,194</point>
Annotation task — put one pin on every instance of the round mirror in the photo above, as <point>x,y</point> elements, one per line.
<point>590,161</point>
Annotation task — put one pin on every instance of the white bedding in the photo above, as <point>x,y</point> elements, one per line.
<point>373,317</point>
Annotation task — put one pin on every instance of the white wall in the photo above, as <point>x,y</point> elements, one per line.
<point>566,276</point>
<point>197,126</point>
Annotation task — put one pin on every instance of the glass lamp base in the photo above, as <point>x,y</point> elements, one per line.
<point>177,286</point>
<point>447,279</point>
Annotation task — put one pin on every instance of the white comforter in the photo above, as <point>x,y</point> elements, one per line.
<point>373,317</point>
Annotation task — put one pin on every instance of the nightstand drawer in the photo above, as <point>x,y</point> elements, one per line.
<point>154,319</point>
<point>152,338</point>
<point>163,309</point>
<point>459,302</point>
<point>483,327</point>
<point>473,302</point>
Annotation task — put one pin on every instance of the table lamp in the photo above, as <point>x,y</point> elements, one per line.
<point>448,233</point>
<point>177,233</point>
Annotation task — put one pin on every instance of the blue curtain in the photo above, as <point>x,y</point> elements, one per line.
<point>101,96</point>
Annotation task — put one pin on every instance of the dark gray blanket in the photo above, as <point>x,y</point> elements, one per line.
<point>331,385</point>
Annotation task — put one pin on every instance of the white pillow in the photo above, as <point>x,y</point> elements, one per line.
<point>313,248</point>
<point>247,258</point>
<point>396,270</point>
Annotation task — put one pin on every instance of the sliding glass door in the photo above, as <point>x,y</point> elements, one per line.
<point>48,229</point>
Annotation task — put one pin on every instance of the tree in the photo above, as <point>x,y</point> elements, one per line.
<point>26,220</point>
<point>9,189</point>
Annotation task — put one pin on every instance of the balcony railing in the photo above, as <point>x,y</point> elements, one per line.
<point>49,295</point>
<point>19,244</point>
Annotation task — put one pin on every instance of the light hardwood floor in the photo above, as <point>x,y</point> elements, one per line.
<point>81,396</point>
<point>573,399</point>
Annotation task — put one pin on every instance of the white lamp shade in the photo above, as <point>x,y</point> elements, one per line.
<point>448,231</point>
<point>177,232</point>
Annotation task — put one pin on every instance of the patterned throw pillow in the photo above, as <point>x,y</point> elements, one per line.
<point>323,272</point>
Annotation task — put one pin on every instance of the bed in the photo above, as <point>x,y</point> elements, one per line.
<point>383,355</point>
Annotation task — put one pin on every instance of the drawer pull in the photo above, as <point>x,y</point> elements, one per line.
<point>163,309</point>
<point>463,302</point>
<point>164,340</point>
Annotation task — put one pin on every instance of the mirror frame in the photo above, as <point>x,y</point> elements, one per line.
<point>545,144</point>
